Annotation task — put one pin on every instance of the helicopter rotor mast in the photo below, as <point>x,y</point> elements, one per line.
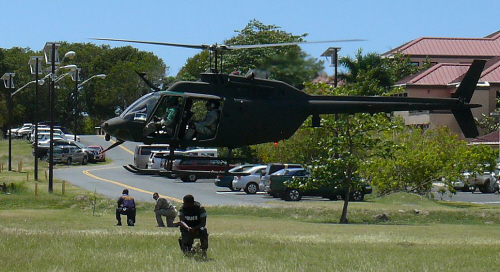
<point>219,48</point>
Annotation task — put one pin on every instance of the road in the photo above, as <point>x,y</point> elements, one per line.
<point>110,179</point>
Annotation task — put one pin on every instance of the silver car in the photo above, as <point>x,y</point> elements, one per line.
<point>69,154</point>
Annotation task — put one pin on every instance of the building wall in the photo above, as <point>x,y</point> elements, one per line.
<point>484,97</point>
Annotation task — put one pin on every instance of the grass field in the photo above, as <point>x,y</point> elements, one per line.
<point>76,232</point>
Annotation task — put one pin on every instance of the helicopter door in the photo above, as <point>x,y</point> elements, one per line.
<point>201,117</point>
<point>164,119</point>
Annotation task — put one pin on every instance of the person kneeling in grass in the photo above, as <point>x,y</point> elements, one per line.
<point>165,208</point>
<point>193,219</point>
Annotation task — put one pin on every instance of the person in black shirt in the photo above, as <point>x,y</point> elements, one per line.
<point>193,219</point>
<point>126,206</point>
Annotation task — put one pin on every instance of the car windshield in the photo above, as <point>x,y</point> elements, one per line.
<point>95,148</point>
<point>80,145</point>
<point>241,168</point>
<point>286,172</point>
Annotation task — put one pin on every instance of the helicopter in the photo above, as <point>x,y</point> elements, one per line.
<point>253,110</point>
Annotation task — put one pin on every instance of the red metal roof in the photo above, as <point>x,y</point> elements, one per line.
<point>432,46</point>
<point>439,74</point>
<point>488,138</point>
<point>446,73</point>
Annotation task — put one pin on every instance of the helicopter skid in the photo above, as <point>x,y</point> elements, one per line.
<point>135,170</point>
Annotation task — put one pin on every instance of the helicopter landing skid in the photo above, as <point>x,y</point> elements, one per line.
<point>133,169</point>
<point>206,174</point>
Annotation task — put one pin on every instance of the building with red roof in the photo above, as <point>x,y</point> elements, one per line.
<point>451,58</point>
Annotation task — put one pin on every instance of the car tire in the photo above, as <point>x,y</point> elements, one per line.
<point>487,187</point>
<point>251,188</point>
<point>466,188</point>
<point>69,161</point>
<point>189,178</point>
<point>293,195</point>
<point>357,196</point>
<point>332,197</point>
<point>84,160</point>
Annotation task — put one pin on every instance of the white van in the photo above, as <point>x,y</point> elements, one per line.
<point>158,159</point>
<point>142,153</point>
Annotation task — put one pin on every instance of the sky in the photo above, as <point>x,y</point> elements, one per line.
<point>383,24</point>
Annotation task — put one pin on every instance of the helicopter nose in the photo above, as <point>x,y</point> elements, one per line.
<point>113,126</point>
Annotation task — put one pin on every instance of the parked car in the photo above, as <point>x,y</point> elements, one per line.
<point>44,139</point>
<point>69,154</point>
<point>203,165</point>
<point>279,188</point>
<point>91,153</point>
<point>249,183</point>
<point>142,153</point>
<point>227,180</point>
<point>271,169</point>
<point>485,182</point>
<point>24,131</point>
<point>58,141</point>
<point>46,130</point>
<point>98,155</point>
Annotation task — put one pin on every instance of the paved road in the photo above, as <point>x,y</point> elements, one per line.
<point>477,197</point>
<point>109,180</point>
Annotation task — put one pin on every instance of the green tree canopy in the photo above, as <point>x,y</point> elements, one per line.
<point>286,63</point>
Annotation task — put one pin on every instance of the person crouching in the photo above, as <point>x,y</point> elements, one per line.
<point>165,208</point>
<point>193,219</point>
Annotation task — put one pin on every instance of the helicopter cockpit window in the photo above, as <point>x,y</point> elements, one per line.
<point>204,115</point>
<point>138,111</point>
<point>165,118</point>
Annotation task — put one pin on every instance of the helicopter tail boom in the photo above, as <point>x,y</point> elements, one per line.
<point>458,105</point>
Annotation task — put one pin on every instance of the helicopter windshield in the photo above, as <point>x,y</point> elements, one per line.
<point>138,111</point>
<point>165,117</point>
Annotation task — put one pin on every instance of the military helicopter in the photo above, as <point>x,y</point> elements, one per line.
<point>252,110</point>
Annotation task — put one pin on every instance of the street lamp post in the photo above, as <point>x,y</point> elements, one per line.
<point>333,53</point>
<point>37,61</point>
<point>51,56</point>
<point>78,86</point>
<point>9,84</point>
<point>497,114</point>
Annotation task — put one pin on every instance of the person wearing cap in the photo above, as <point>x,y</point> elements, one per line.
<point>193,220</point>
<point>165,208</point>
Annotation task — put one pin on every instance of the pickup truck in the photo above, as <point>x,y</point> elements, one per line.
<point>486,182</point>
<point>278,187</point>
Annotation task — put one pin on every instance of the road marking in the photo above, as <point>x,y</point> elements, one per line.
<point>121,146</point>
<point>86,172</point>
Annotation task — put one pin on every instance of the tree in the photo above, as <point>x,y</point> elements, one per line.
<point>285,63</point>
<point>99,98</point>
<point>418,158</point>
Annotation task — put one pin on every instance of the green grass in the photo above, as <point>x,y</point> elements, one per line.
<point>56,232</point>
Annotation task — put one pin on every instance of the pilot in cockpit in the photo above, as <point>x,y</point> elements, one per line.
<point>166,123</point>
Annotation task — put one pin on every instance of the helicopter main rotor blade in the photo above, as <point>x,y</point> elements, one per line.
<point>220,47</point>
<point>202,46</point>
<point>234,47</point>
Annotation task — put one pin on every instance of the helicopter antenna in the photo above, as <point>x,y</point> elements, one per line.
<point>151,85</point>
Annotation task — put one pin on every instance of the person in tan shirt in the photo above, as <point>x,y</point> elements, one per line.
<point>165,208</point>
